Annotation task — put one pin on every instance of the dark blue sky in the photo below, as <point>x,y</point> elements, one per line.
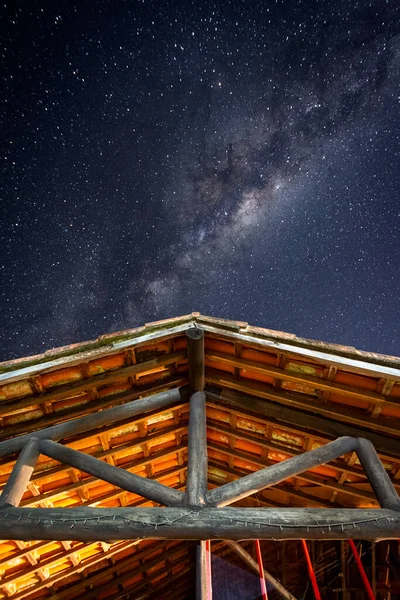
<point>240,159</point>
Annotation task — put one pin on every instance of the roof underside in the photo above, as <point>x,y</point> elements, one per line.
<point>271,396</point>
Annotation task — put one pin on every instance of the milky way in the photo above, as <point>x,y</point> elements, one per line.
<point>240,161</point>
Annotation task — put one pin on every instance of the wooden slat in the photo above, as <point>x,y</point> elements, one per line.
<point>95,420</point>
<point>303,379</point>
<point>301,401</point>
<point>302,421</point>
<point>75,388</point>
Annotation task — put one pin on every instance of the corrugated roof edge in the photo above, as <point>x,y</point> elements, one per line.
<point>109,341</point>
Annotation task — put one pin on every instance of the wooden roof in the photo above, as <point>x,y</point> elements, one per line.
<point>270,396</point>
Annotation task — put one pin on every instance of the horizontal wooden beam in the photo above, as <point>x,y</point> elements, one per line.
<point>96,420</point>
<point>148,488</point>
<point>300,419</point>
<point>278,472</point>
<point>336,411</point>
<point>307,380</point>
<point>89,407</point>
<point>111,524</point>
<point>71,390</point>
<point>369,366</point>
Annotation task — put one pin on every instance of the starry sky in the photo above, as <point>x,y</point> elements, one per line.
<point>241,159</point>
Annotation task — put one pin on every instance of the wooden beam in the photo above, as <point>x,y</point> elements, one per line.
<point>109,524</point>
<point>307,380</point>
<point>94,421</point>
<point>377,475</point>
<point>148,488</point>
<point>71,390</point>
<point>109,401</point>
<point>303,402</point>
<point>195,351</point>
<point>347,363</point>
<point>300,419</point>
<point>308,477</point>
<point>249,560</point>
<point>20,475</point>
<point>259,480</point>
<point>201,571</point>
<point>196,486</point>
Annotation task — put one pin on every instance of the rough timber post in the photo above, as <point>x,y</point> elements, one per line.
<point>20,475</point>
<point>196,486</point>
<point>196,482</point>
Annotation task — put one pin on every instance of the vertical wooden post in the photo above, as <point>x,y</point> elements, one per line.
<point>201,571</point>
<point>263,586</point>
<point>367,585</point>
<point>20,475</point>
<point>196,484</point>
<point>311,572</point>
<point>195,351</point>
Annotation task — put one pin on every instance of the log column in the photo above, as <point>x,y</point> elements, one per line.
<point>20,475</point>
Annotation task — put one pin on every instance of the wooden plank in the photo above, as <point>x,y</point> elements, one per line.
<point>302,402</point>
<point>301,420</point>
<point>317,382</point>
<point>73,389</point>
<point>195,352</point>
<point>20,475</point>
<point>278,472</point>
<point>148,488</point>
<point>109,401</point>
<point>95,420</point>
<point>77,358</point>
<point>201,571</point>
<point>196,487</point>
<point>109,524</point>
<point>247,558</point>
<point>327,358</point>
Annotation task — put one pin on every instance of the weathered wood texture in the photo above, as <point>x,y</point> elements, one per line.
<point>111,524</point>
<point>377,476</point>
<point>201,571</point>
<point>249,560</point>
<point>148,488</point>
<point>196,486</point>
<point>195,351</point>
<point>259,480</point>
<point>96,420</point>
<point>20,475</point>
<point>302,421</point>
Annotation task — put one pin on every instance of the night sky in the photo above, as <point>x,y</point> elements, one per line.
<point>241,159</point>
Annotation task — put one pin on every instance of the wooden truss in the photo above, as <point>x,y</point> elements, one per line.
<point>199,513</point>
